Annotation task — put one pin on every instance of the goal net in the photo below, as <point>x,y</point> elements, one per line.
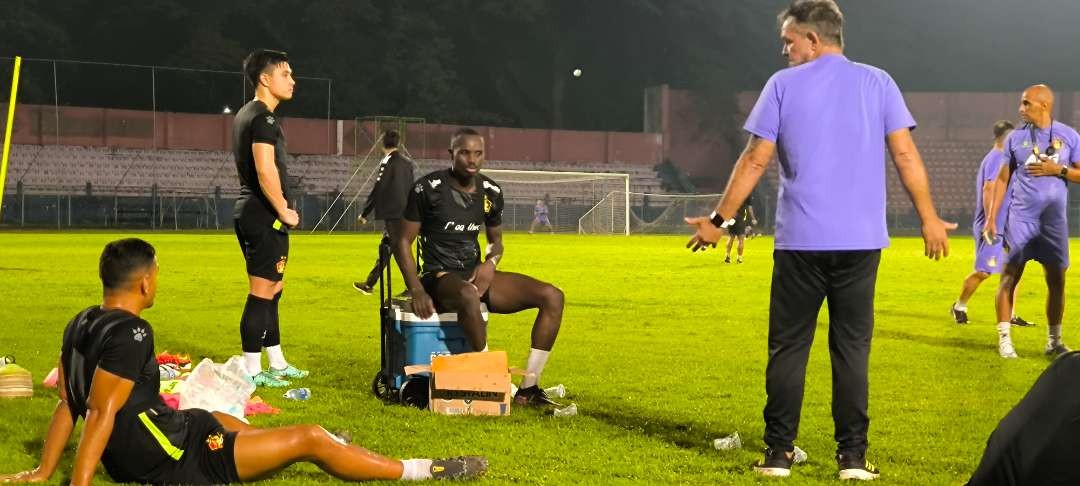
<point>647,214</point>
<point>569,197</point>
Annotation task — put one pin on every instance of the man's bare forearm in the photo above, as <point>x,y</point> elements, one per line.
<point>745,176</point>
<point>271,188</point>
<point>96,433</point>
<point>56,438</point>
<point>406,262</point>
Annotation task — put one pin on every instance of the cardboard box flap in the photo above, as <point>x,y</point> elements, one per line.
<point>486,362</point>
<point>472,381</point>
<point>414,369</point>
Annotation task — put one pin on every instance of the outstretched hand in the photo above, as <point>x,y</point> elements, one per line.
<point>936,238</point>
<point>705,234</point>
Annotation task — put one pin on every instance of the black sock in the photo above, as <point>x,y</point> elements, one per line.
<point>253,323</point>
<point>273,327</point>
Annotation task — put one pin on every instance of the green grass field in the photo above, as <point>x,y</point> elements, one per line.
<point>661,349</point>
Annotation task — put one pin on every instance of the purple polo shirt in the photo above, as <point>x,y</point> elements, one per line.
<point>1040,198</point>
<point>988,172</point>
<point>829,118</point>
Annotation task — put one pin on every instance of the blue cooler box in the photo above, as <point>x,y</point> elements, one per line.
<point>413,340</point>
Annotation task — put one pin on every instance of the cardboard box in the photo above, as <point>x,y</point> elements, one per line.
<point>469,383</point>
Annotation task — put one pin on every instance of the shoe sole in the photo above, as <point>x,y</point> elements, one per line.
<point>362,291</point>
<point>857,474</point>
<point>773,472</point>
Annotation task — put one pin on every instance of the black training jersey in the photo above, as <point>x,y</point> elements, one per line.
<point>450,219</point>
<point>123,344</point>
<point>255,123</point>
<point>390,194</point>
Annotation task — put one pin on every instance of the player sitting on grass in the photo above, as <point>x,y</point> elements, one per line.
<point>108,375</point>
<point>446,209</point>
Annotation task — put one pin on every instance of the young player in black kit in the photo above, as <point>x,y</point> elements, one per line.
<point>446,209</point>
<point>108,375</point>
<point>262,216</point>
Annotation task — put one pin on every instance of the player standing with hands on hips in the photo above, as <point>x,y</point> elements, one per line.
<point>262,217</point>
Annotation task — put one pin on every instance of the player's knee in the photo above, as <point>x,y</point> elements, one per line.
<point>312,437</point>
<point>552,298</point>
<point>468,296</point>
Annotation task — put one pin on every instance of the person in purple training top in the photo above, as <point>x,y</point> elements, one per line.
<point>540,216</point>
<point>830,120</point>
<point>1042,158</point>
<point>989,255</point>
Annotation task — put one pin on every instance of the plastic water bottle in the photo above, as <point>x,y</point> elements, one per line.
<point>728,443</point>
<point>800,455</point>
<point>300,394</point>
<point>168,372</point>
<point>568,411</point>
<point>558,391</point>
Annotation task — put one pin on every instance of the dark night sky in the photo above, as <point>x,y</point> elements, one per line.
<point>490,61</point>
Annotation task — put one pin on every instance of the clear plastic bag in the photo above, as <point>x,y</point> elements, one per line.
<point>218,387</point>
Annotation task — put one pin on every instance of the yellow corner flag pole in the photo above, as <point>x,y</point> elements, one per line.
<point>7,130</point>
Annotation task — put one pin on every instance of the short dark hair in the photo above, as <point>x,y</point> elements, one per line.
<point>1001,127</point>
<point>390,139</point>
<point>259,60</point>
<point>821,16</point>
<point>121,258</point>
<point>462,132</point>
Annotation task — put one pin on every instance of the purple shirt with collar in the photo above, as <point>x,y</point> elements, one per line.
<point>988,172</point>
<point>829,118</point>
<point>1040,198</point>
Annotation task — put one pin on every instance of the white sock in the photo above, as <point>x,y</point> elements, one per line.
<point>253,363</point>
<point>276,357</point>
<point>537,359</point>
<point>415,469</point>
<point>1004,331</point>
<point>1054,333</point>
<point>960,306</point>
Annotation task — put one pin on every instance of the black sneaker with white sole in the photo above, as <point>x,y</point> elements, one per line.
<point>855,466</point>
<point>1020,322</point>
<point>534,396</point>
<point>958,315</point>
<point>362,287</point>
<point>775,463</point>
<point>464,467</point>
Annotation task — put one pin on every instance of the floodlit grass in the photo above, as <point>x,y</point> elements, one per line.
<point>661,349</point>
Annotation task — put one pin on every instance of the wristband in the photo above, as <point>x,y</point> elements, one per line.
<point>719,221</point>
<point>1064,173</point>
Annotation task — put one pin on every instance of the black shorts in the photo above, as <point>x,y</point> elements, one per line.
<point>189,446</point>
<point>265,247</point>
<point>430,282</point>
<point>208,452</point>
<point>738,228</point>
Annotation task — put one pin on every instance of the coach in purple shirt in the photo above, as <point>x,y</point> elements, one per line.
<point>1042,158</point>
<point>829,119</point>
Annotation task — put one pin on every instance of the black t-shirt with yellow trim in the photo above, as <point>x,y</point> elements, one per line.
<point>450,219</point>
<point>148,436</point>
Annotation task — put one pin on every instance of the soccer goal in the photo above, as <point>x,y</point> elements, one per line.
<point>569,197</point>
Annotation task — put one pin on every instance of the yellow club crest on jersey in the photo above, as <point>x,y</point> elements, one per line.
<point>1057,144</point>
<point>215,442</point>
<point>487,205</point>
